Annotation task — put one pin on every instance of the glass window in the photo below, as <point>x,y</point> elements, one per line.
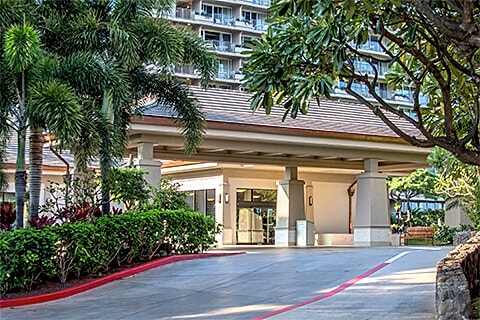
<point>202,201</point>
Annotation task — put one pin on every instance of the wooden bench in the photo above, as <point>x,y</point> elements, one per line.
<point>426,233</point>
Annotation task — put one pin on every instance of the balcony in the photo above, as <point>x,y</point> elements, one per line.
<point>226,74</point>
<point>364,67</point>
<point>223,46</point>
<point>186,69</point>
<point>266,3</point>
<point>259,25</point>
<point>187,14</point>
<point>223,19</point>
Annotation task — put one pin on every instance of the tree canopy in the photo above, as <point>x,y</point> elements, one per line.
<point>429,46</point>
<point>112,58</point>
<point>458,182</point>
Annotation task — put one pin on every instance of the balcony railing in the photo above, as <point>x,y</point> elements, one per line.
<point>398,96</point>
<point>262,2</point>
<point>223,46</point>
<point>223,19</point>
<point>226,74</point>
<point>364,67</point>
<point>182,13</point>
<point>185,69</point>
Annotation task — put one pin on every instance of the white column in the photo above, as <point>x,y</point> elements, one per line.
<point>146,162</point>
<point>372,222</point>
<point>456,216</point>
<point>290,207</point>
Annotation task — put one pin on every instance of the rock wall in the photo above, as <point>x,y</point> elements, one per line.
<point>462,237</point>
<point>458,281</point>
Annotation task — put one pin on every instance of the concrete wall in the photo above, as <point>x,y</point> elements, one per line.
<point>458,281</point>
<point>330,207</point>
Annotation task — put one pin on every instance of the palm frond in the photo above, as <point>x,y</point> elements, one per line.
<point>197,52</point>
<point>54,106</point>
<point>16,12</point>
<point>178,101</point>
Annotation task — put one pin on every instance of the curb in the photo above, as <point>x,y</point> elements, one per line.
<point>107,279</point>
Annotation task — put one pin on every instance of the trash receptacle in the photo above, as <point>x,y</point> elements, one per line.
<point>305,233</point>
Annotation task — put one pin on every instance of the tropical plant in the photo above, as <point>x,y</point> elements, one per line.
<point>136,52</point>
<point>403,189</point>
<point>168,196</point>
<point>7,216</point>
<point>458,182</point>
<point>80,200</point>
<point>128,186</point>
<point>34,98</point>
<point>432,47</point>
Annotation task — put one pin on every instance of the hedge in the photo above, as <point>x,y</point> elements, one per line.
<point>30,256</point>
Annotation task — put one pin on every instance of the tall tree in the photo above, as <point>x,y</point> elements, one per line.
<point>420,182</point>
<point>35,99</point>
<point>137,52</point>
<point>431,46</point>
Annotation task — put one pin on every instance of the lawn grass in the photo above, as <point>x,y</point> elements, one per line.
<point>418,242</point>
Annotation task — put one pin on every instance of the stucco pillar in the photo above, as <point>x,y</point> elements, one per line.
<point>372,223</point>
<point>290,207</point>
<point>455,217</point>
<point>146,162</point>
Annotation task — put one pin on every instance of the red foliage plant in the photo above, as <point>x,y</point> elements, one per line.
<point>42,221</point>
<point>7,216</point>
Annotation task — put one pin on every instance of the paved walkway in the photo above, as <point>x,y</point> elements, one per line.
<point>313,283</point>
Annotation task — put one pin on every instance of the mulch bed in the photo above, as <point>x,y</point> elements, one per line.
<point>53,286</point>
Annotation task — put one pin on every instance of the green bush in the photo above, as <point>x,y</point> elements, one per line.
<point>445,234</point>
<point>29,256</point>
<point>26,257</point>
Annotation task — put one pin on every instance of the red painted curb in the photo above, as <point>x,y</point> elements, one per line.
<point>110,278</point>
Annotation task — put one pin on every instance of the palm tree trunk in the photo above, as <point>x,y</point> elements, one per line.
<point>35,176</point>
<point>20,178</point>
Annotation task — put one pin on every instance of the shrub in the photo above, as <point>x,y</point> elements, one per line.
<point>30,255</point>
<point>26,257</point>
<point>7,216</point>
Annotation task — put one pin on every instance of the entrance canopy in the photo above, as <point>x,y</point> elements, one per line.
<point>335,135</point>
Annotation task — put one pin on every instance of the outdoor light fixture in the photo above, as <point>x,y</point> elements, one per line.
<point>310,201</point>
<point>226,197</point>
<point>220,198</point>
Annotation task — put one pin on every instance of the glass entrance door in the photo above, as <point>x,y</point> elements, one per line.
<point>256,216</point>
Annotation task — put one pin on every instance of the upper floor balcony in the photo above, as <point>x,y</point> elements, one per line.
<point>266,3</point>
<point>223,46</point>
<point>403,96</point>
<point>223,73</point>
<point>182,13</point>
<point>221,19</point>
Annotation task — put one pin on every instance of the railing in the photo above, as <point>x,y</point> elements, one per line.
<point>227,20</point>
<point>262,2</point>
<point>226,74</point>
<point>182,13</point>
<point>266,3</point>
<point>259,24</point>
<point>398,96</point>
<point>364,67</point>
<point>223,46</point>
<point>185,69</point>
<point>371,45</point>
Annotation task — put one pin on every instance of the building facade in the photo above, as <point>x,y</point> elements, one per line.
<point>258,175</point>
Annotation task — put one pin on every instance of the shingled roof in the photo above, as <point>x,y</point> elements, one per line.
<point>331,116</point>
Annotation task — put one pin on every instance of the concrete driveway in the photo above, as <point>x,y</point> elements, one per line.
<point>293,283</point>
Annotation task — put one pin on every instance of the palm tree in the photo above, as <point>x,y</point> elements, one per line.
<point>33,98</point>
<point>136,52</point>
